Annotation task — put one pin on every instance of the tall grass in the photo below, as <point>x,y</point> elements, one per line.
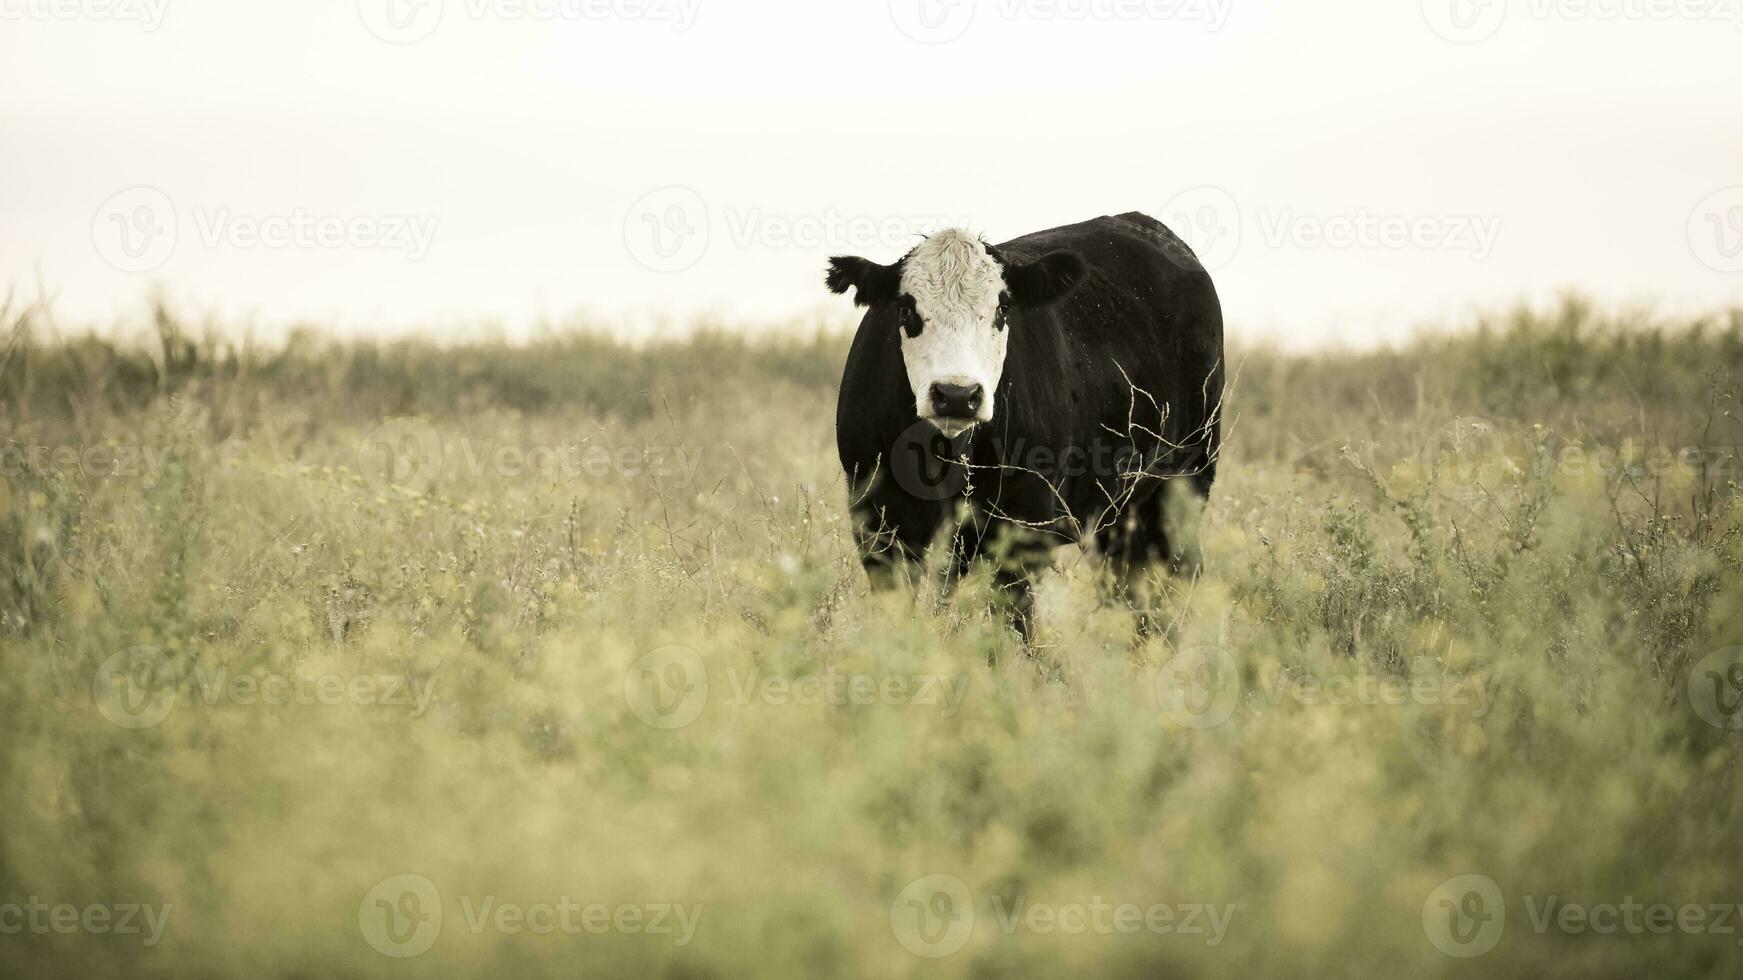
<point>1459,617</point>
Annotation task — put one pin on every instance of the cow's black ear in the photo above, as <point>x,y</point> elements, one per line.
<point>872,283</point>
<point>1045,280</point>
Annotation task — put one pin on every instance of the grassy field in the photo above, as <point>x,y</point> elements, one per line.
<point>395,659</point>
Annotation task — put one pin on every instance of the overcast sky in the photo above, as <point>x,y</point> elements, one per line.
<point>1350,170</point>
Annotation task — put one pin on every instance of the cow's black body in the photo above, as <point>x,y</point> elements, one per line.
<point>1106,397</point>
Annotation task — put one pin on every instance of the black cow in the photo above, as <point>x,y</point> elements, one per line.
<point>1066,385</point>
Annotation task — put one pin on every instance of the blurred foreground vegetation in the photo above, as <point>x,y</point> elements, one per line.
<point>580,621</point>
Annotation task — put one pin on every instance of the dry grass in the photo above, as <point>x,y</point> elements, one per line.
<point>639,667</point>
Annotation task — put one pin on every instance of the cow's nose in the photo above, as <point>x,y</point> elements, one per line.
<point>955,401</point>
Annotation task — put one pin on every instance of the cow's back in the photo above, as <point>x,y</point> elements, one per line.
<point>1137,266</point>
<point>1143,329</point>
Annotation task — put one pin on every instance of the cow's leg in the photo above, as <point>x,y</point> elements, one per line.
<point>1135,541</point>
<point>892,536</point>
<point>1017,555</point>
<point>1130,546</point>
<point>1015,588</point>
<point>1158,531</point>
<point>1161,529</point>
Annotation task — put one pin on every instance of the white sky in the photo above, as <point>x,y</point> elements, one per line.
<point>1588,138</point>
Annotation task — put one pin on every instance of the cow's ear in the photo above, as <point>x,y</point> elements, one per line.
<point>872,283</point>
<point>1045,280</point>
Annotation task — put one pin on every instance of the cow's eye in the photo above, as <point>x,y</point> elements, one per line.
<point>908,320</point>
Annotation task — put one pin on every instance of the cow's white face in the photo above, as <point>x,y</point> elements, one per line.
<point>955,352</point>
<point>952,297</point>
